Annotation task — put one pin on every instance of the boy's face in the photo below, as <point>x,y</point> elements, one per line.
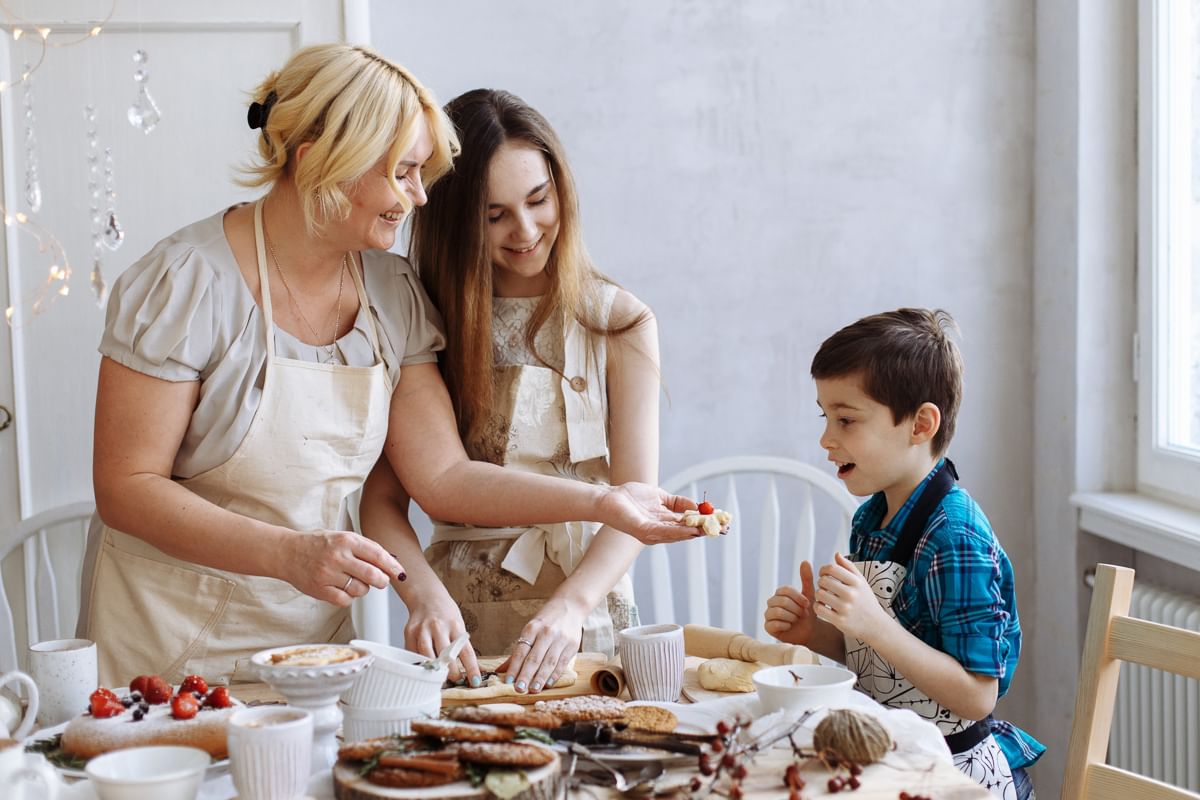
<point>872,453</point>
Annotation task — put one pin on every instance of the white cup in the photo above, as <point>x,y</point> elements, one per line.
<point>270,752</point>
<point>12,723</point>
<point>27,776</point>
<point>65,672</point>
<point>652,656</point>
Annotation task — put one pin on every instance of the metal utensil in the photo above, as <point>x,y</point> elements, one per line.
<point>620,783</point>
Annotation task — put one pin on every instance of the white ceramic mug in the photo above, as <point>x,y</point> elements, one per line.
<point>65,672</point>
<point>270,752</point>
<point>12,724</point>
<point>652,657</point>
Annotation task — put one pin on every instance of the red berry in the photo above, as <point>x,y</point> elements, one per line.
<point>717,745</point>
<point>740,771</point>
<point>735,791</point>
<point>705,507</point>
<point>106,693</point>
<point>794,794</point>
<point>722,727</point>
<point>728,761</point>
<point>834,785</point>
<point>194,683</point>
<point>138,684</point>
<point>103,704</point>
<point>218,698</point>
<point>855,769</point>
<point>184,706</point>
<point>696,784</point>
<point>157,690</point>
<point>853,783</point>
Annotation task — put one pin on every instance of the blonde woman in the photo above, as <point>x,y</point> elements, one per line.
<point>256,365</point>
<point>553,370</point>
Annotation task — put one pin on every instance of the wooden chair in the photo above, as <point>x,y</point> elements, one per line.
<point>50,605</point>
<point>796,498</point>
<point>1113,637</point>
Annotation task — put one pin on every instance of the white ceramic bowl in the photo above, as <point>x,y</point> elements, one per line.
<point>799,687</point>
<point>149,773</point>
<point>394,679</point>
<point>366,723</point>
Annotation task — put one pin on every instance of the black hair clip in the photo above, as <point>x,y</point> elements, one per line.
<point>256,115</point>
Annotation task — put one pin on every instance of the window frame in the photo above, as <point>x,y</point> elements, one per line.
<point>1164,109</point>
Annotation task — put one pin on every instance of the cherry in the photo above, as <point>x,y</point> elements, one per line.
<point>705,507</point>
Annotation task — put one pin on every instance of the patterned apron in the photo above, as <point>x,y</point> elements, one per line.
<point>547,424</point>
<point>318,430</point>
<point>975,750</point>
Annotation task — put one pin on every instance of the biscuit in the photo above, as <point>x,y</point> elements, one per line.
<point>398,777</point>
<point>650,718</point>
<point>507,754</point>
<point>462,731</point>
<point>584,708</point>
<point>526,718</point>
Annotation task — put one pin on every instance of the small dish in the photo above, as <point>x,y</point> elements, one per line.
<point>149,773</point>
<point>799,687</point>
<point>360,723</point>
<point>395,678</point>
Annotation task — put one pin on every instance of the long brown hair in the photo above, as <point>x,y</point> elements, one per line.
<point>450,248</point>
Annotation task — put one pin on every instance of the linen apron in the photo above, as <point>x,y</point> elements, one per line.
<point>974,748</point>
<point>548,424</point>
<point>317,432</point>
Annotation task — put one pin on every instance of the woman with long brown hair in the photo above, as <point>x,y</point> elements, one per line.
<point>553,370</point>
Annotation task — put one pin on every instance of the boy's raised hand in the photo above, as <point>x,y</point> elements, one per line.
<point>789,616</point>
<point>845,600</point>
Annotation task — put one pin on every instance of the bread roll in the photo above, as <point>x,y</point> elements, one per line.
<point>728,675</point>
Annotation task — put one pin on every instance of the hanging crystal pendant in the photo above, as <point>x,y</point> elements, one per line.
<point>99,287</point>
<point>33,193</point>
<point>113,234</point>
<point>33,187</point>
<point>144,113</point>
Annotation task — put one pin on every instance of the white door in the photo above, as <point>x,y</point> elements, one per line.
<point>203,60</point>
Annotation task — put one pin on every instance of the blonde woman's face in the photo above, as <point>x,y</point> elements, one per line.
<point>522,220</point>
<point>376,212</point>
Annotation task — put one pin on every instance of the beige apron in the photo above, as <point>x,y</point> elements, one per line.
<point>318,431</point>
<point>546,424</point>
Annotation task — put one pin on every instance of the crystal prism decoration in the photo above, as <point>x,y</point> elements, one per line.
<point>33,194</point>
<point>99,287</point>
<point>144,114</point>
<point>113,234</point>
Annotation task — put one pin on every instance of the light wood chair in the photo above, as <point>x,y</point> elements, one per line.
<point>49,605</point>
<point>1112,637</point>
<point>797,499</point>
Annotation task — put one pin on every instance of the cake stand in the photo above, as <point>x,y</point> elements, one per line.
<point>316,688</point>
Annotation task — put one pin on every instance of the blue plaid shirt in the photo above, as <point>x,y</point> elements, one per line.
<point>958,596</point>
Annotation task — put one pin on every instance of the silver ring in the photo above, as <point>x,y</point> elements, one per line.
<point>525,642</point>
<point>348,580</point>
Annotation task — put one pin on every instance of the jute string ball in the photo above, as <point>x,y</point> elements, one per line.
<point>852,737</point>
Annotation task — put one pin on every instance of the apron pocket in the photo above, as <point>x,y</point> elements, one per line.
<point>184,603</point>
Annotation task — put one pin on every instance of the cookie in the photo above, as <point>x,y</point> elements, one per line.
<point>507,754</point>
<point>584,708</point>
<point>650,718</point>
<point>399,777</point>
<point>490,715</point>
<point>461,731</point>
<point>369,748</point>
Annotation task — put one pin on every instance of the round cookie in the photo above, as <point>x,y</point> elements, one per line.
<point>490,715</point>
<point>508,754</point>
<point>650,718</point>
<point>461,731</point>
<point>583,708</point>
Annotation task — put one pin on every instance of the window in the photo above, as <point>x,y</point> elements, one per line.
<point>1169,250</point>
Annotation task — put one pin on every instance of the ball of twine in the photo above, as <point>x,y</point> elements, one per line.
<point>852,737</point>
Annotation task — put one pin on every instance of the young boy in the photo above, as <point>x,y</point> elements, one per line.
<point>924,610</point>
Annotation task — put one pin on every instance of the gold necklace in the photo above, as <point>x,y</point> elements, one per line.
<point>331,348</point>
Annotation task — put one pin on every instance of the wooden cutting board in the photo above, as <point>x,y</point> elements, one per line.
<point>545,783</point>
<point>594,675</point>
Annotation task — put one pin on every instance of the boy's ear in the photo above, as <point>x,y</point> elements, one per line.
<point>926,423</point>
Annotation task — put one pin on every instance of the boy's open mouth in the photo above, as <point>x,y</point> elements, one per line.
<point>844,469</point>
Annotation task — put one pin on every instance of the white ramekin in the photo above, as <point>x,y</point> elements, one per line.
<point>367,723</point>
<point>394,679</point>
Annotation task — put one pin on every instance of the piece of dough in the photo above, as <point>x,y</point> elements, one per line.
<point>495,687</point>
<point>728,675</point>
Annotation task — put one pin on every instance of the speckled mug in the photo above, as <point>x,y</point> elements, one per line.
<point>65,673</point>
<point>270,752</point>
<point>652,657</point>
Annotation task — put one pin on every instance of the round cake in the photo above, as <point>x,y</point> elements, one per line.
<point>87,736</point>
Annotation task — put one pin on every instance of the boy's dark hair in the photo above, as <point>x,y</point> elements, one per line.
<point>906,357</point>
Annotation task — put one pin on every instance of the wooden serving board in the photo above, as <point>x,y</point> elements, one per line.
<point>545,784</point>
<point>591,671</point>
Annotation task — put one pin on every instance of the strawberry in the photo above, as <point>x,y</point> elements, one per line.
<point>104,703</point>
<point>194,683</point>
<point>138,684</point>
<point>218,698</point>
<point>157,690</point>
<point>184,706</point>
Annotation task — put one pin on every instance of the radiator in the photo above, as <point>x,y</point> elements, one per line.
<point>1156,723</point>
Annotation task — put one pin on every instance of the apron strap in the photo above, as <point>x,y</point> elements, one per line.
<point>264,281</point>
<point>970,736</point>
<point>938,486</point>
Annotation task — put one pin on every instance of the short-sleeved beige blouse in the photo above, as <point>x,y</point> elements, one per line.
<point>184,313</point>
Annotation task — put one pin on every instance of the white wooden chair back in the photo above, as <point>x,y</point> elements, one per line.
<point>1112,637</point>
<point>44,586</point>
<point>778,505</point>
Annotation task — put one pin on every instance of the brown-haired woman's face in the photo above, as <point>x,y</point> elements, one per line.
<point>521,219</point>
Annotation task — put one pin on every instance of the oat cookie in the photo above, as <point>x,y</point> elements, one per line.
<point>650,718</point>
<point>398,777</point>
<point>462,731</point>
<point>526,718</point>
<point>508,754</point>
<point>583,708</point>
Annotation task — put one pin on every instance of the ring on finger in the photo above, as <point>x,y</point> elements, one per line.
<point>348,582</point>
<point>525,642</point>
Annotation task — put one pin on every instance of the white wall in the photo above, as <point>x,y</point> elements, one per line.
<point>765,172</point>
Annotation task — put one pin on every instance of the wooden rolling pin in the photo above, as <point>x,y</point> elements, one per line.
<point>706,642</point>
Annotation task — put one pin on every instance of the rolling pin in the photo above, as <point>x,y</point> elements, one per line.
<point>706,642</point>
